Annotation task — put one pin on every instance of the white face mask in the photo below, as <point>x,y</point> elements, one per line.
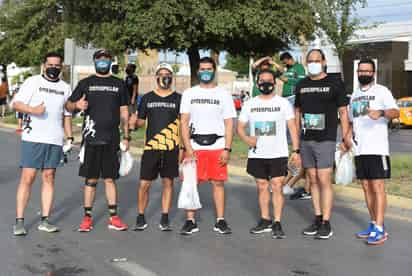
<point>314,68</point>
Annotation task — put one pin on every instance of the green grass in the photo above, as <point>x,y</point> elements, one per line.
<point>10,119</point>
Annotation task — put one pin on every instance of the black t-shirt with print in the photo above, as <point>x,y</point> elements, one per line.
<point>319,101</point>
<point>105,96</point>
<point>130,81</point>
<point>162,115</point>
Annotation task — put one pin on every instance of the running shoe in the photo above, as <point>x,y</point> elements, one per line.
<point>116,223</point>
<point>86,225</point>
<point>222,227</point>
<point>189,228</point>
<point>263,226</point>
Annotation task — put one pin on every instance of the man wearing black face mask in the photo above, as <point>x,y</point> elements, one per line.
<point>104,100</point>
<point>159,111</point>
<point>41,98</point>
<point>268,116</point>
<point>372,106</point>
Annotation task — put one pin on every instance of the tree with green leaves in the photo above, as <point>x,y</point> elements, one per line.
<point>239,64</point>
<point>31,28</point>
<point>338,20</point>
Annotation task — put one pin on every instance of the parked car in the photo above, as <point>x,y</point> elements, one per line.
<point>405,109</point>
<point>237,101</point>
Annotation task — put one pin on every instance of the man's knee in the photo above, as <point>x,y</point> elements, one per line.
<point>92,183</point>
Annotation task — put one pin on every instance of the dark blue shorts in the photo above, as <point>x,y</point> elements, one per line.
<point>40,156</point>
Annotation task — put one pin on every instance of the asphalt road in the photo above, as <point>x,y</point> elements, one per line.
<point>167,253</point>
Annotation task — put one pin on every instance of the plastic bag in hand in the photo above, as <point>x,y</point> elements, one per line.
<point>345,169</point>
<point>126,163</point>
<point>189,195</point>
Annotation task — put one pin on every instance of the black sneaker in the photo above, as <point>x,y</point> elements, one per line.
<point>277,232</point>
<point>312,229</point>
<point>325,231</point>
<point>164,224</point>
<point>263,226</point>
<point>222,227</point>
<point>140,223</point>
<point>189,228</point>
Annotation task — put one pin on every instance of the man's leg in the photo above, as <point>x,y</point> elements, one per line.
<point>326,192</point>
<point>378,189</point>
<point>278,199</point>
<point>143,195</point>
<point>27,178</point>
<point>262,186</point>
<point>47,191</point>
<point>369,198</point>
<point>111,196</point>
<point>167,194</point>
<point>314,186</point>
<point>219,198</point>
<point>89,192</point>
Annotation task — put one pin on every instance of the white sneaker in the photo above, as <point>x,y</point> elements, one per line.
<point>287,190</point>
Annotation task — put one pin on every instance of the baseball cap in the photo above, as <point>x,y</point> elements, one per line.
<point>164,65</point>
<point>102,52</point>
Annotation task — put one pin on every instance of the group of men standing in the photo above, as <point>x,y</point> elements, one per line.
<point>199,124</point>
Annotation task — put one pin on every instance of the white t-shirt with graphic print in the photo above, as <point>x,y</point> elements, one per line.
<point>46,128</point>
<point>371,136</point>
<point>208,108</point>
<point>267,120</point>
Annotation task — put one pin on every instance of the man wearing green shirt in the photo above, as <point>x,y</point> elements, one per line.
<point>265,63</point>
<point>293,73</point>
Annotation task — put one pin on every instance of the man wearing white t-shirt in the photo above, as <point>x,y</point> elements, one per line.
<point>41,98</point>
<point>372,106</point>
<point>207,113</point>
<point>267,116</point>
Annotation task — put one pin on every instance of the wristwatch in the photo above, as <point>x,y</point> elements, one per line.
<point>70,138</point>
<point>296,151</point>
<point>228,149</point>
<point>128,138</point>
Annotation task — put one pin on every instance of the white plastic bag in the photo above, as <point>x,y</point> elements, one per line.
<point>189,195</point>
<point>345,169</point>
<point>81,154</point>
<point>126,163</point>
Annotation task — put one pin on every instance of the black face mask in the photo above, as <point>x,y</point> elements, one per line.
<point>129,72</point>
<point>164,82</point>
<point>266,87</point>
<point>364,80</point>
<point>53,72</point>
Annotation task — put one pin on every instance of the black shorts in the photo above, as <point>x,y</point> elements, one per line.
<point>3,101</point>
<point>372,167</point>
<point>155,162</point>
<point>100,161</point>
<point>267,168</point>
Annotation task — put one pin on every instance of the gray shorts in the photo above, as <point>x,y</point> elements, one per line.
<point>40,156</point>
<point>319,155</point>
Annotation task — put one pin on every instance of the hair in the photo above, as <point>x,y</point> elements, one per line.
<point>131,67</point>
<point>52,54</point>
<point>208,60</point>
<point>267,71</point>
<point>286,55</point>
<point>322,54</point>
<point>367,61</point>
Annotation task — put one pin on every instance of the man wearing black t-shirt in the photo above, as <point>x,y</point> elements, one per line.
<point>132,85</point>
<point>104,100</point>
<point>319,98</point>
<point>159,111</point>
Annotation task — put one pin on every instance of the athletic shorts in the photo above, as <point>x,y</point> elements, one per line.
<point>159,162</point>
<point>100,161</point>
<point>3,101</point>
<point>40,156</point>
<point>267,168</point>
<point>319,155</point>
<point>372,167</point>
<point>208,167</point>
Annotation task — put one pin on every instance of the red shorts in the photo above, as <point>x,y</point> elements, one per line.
<point>208,167</point>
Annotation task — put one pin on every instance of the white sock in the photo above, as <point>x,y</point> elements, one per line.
<point>379,228</point>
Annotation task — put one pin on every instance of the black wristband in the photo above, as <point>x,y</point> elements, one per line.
<point>182,148</point>
<point>70,138</point>
<point>296,151</point>
<point>228,149</point>
<point>128,138</point>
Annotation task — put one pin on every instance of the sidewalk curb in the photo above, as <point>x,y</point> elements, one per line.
<point>341,191</point>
